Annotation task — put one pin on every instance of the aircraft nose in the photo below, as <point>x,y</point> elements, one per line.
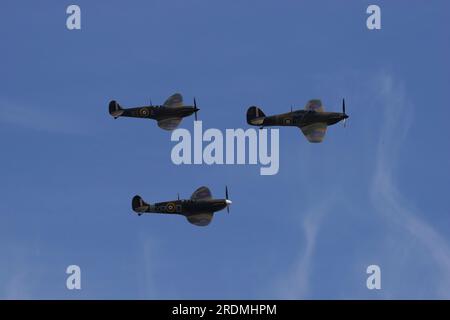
<point>345,116</point>
<point>228,202</point>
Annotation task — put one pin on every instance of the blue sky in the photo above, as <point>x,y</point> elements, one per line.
<point>375,192</point>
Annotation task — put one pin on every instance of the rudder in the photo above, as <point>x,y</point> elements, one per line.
<point>255,116</point>
<point>139,205</point>
<point>115,109</point>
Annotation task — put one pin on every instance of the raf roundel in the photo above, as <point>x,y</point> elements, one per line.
<point>144,112</point>
<point>170,207</point>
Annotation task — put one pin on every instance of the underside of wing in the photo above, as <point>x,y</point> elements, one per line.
<point>200,219</point>
<point>169,124</point>
<point>201,193</point>
<point>314,105</point>
<point>174,101</point>
<point>314,132</point>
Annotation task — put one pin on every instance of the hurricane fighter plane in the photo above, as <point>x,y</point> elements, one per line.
<point>198,210</point>
<point>168,115</point>
<point>313,120</point>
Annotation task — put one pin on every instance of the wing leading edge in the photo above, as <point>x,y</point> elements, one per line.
<point>201,193</point>
<point>174,101</point>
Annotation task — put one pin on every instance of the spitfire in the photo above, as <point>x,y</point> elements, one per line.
<point>168,115</point>
<point>198,210</point>
<point>313,120</point>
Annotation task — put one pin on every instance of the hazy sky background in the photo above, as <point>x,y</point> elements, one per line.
<point>375,192</point>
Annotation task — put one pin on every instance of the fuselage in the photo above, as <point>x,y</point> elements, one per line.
<point>301,118</point>
<point>188,207</point>
<point>159,112</point>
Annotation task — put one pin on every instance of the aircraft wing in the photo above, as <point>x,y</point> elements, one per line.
<point>314,105</point>
<point>200,219</point>
<point>169,124</point>
<point>201,194</point>
<point>315,132</point>
<point>174,101</point>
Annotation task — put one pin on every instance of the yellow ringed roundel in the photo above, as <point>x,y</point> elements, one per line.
<point>143,112</point>
<point>170,207</point>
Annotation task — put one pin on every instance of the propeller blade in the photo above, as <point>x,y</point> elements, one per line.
<point>226,197</point>
<point>343,112</point>
<point>195,108</point>
<point>178,196</point>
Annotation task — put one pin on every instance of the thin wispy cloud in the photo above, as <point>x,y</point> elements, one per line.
<point>16,273</point>
<point>387,197</point>
<point>16,286</point>
<point>400,221</point>
<point>297,284</point>
<point>148,285</point>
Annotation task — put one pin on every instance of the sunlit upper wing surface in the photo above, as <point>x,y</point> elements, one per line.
<point>314,105</point>
<point>314,132</point>
<point>174,101</point>
<point>169,124</point>
<point>201,193</point>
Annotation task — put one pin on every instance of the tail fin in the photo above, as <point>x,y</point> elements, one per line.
<point>255,116</point>
<point>115,109</point>
<point>139,205</point>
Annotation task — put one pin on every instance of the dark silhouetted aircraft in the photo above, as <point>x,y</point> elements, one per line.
<point>313,120</point>
<point>168,115</point>
<point>198,210</point>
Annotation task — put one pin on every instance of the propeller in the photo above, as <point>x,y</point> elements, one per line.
<point>178,196</point>
<point>196,109</point>
<point>343,112</point>
<point>151,104</point>
<point>228,201</point>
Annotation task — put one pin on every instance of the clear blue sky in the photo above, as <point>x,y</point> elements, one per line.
<point>375,192</point>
